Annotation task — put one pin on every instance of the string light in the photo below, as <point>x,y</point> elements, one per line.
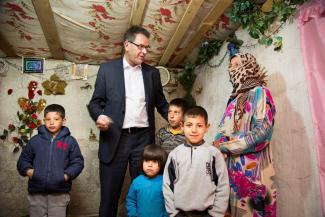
<point>40,76</point>
<point>220,61</point>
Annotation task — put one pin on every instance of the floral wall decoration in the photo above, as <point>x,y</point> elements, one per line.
<point>20,131</point>
<point>54,86</point>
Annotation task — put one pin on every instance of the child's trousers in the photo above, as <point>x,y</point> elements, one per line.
<point>48,205</point>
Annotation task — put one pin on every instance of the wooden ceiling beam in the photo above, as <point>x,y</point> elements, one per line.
<point>206,24</point>
<point>46,18</point>
<point>137,13</point>
<point>182,28</point>
<point>6,47</point>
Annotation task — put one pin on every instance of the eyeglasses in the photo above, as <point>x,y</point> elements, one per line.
<point>140,46</point>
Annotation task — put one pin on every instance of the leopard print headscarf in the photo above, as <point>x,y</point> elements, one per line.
<point>245,77</point>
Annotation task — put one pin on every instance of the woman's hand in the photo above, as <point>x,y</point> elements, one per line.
<point>217,144</point>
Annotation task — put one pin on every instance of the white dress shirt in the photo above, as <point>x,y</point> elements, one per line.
<point>135,99</point>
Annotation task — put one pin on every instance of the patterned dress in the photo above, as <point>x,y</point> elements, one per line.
<point>249,157</point>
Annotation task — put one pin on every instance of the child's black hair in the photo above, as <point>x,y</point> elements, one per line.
<point>55,108</point>
<point>196,111</point>
<point>154,152</point>
<point>179,102</point>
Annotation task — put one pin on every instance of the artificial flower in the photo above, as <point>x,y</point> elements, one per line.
<point>11,127</point>
<point>15,140</point>
<point>28,116</point>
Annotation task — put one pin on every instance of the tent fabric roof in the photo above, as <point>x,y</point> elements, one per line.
<point>92,31</point>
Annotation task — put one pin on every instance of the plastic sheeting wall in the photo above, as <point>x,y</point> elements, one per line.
<point>293,142</point>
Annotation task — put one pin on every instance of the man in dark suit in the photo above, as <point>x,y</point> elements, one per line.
<point>126,93</point>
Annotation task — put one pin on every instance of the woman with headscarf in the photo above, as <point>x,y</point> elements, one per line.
<point>244,136</point>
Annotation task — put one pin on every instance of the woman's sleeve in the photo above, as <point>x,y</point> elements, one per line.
<point>261,126</point>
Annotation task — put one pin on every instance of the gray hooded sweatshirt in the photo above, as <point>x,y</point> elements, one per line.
<point>196,179</point>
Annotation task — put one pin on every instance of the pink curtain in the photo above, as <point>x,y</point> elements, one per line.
<point>312,35</point>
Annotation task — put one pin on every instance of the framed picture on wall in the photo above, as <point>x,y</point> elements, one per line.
<point>33,65</point>
<point>79,71</point>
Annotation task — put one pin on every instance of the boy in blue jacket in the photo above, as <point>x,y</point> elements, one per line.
<point>51,160</point>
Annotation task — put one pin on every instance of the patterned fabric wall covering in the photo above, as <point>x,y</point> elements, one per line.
<point>20,26</point>
<point>2,54</point>
<point>92,31</point>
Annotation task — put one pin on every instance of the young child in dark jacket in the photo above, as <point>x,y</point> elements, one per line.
<point>51,160</point>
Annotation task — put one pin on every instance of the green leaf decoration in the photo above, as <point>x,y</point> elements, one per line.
<point>277,43</point>
<point>207,50</point>
<point>254,33</point>
<point>250,15</point>
<point>24,138</point>
<point>21,143</point>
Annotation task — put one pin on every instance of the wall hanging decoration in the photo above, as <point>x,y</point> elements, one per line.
<point>174,73</point>
<point>63,71</point>
<point>164,75</point>
<point>33,65</point>
<point>86,86</point>
<point>19,132</point>
<point>54,86</point>
<point>9,91</point>
<point>79,71</point>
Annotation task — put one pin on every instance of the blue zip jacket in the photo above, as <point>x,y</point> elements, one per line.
<point>51,158</point>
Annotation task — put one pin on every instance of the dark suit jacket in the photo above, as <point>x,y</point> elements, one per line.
<point>109,99</point>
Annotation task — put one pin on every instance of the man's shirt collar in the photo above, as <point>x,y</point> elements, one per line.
<point>126,65</point>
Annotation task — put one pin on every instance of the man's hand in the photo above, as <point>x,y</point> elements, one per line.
<point>103,122</point>
<point>66,177</point>
<point>30,173</point>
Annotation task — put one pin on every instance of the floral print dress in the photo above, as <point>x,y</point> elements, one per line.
<point>249,157</point>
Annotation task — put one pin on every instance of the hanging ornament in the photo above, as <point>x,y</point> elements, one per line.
<point>232,49</point>
<point>41,105</point>
<point>54,86</point>
<point>63,72</point>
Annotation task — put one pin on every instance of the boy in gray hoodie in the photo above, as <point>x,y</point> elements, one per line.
<point>195,181</point>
